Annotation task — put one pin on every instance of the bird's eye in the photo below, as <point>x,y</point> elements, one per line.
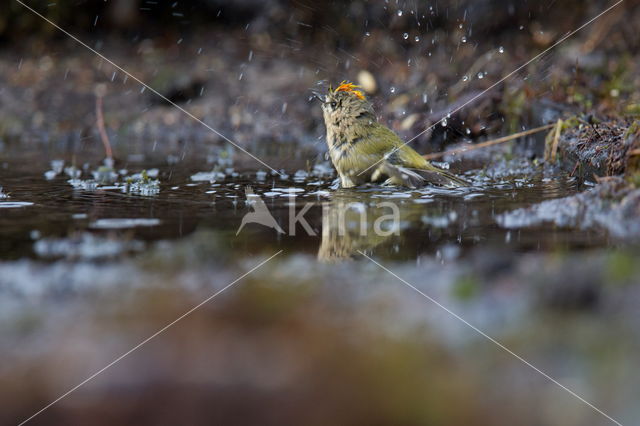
<point>333,104</point>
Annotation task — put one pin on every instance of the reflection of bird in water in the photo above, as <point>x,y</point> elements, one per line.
<point>260,213</point>
<point>349,227</point>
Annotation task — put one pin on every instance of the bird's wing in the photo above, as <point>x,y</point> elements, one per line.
<point>398,175</point>
<point>409,163</point>
<point>378,140</point>
<point>381,140</point>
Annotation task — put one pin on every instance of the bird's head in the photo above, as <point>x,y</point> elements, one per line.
<point>344,104</point>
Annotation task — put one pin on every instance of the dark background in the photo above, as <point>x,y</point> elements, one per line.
<point>247,67</point>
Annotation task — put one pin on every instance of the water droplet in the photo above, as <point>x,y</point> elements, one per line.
<point>480,75</point>
<point>465,77</point>
<point>464,39</point>
<point>367,34</point>
<point>405,36</point>
<point>501,49</point>
<point>399,13</point>
<point>417,39</point>
<point>460,26</point>
<point>468,131</point>
<point>393,89</point>
<point>444,122</point>
<point>521,27</point>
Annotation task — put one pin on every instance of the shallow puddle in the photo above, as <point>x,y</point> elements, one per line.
<point>429,218</point>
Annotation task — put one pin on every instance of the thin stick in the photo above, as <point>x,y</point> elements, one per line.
<point>489,143</point>
<point>634,152</point>
<point>556,139</point>
<point>103,132</point>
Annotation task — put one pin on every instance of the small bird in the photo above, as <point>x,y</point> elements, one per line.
<point>363,150</point>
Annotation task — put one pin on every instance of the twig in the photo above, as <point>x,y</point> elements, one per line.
<point>556,139</point>
<point>574,168</point>
<point>591,122</point>
<point>100,122</point>
<point>489,143</point>
<point>634,152</point>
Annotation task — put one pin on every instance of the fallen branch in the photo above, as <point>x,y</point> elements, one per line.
<point>634,152</point>
<point>489,143</point>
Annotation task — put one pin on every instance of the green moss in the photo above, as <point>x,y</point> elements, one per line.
<point>632,109</point>
<point>620,81</point>
<point>466,288</point>
<point>621,267</point>
<point>513,108</point>
<point>582,100</point>
<point>632,129</point>
<point>571,123</point>
<point>633,161</point>
<point>634,179</point>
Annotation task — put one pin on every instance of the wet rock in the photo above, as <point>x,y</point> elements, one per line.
<point>589,147</point>
<point>124,223</point>
<point>612,205</point>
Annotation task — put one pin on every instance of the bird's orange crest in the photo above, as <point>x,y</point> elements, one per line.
<point>345,86</point>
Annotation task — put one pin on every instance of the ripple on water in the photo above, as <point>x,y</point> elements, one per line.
<point>123,223</point>
<point>288,190</point>
<point>14,204</point>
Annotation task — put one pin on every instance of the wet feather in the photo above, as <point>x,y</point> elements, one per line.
<point>363,150</point>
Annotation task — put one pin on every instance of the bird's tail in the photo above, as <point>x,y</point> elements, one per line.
<point>438,176</point>
<point>454,179</point>
<point>415,178</point>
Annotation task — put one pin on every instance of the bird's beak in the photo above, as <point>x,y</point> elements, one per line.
<point>317,95</point>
